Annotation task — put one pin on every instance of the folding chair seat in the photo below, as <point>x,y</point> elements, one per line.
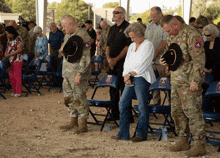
<point>106,81</point>
<point>162,84</point>
<point>56,78</point>
<point>210,114</point>
<point>30,78</point>
<point>96,62</point>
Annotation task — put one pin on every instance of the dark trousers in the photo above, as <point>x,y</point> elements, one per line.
<point>56,61</point>
<point>116,93</point>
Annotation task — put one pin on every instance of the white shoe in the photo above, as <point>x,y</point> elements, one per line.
<point>17,95</point>
<point>12,94</point>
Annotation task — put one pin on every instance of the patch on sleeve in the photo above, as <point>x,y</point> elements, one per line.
<point>198,43</point>
<point>87,45</point>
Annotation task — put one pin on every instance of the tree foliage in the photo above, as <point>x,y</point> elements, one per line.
<point>25,7</point>
<point>77,8</point>
<point>144,16</point>
<point>4,7</point>
<point>201,8</point>
<point>53,5</point>
<point>111,5</point>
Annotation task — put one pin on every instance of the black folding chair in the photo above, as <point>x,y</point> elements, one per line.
<point>162,84</point>
<point>30,79</point>
<point>210,102</point>
<point>56,78</point>
<point>96,62</point>
<point>44,70</point>
<point>106,81</point>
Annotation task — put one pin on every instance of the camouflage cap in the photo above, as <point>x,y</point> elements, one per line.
<point>73,49</point>
<point>173,57</point>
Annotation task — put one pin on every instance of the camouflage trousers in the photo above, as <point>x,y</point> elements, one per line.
<point>187,112</point>
<point>75,97</point>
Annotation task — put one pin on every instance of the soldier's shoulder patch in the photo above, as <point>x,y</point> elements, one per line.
<point>198,43</point>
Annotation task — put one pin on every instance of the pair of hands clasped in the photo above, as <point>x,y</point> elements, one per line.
<point>127,78</point>
<point>193,86</point>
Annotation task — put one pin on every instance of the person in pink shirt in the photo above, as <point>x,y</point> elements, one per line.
<point>13,53</point>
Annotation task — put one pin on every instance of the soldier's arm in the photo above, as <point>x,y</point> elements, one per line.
<point>26,40</point>
<point>85,59</point>
<point>197,53</point>
<point>122,54</point>
<point>159,50</point>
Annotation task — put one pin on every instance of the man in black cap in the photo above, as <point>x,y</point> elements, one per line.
<point>76,73</point>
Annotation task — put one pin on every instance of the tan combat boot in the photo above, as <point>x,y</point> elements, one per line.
<point>181,145</point>
<point>73,124</point>
<point>82,126</point>
<point>197,149</point>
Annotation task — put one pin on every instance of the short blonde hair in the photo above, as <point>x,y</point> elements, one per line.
<point>212,30</point>
<point>135,27</point>
<point>37,29</point>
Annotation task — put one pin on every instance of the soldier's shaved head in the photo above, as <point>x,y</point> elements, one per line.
<point>69,23</point>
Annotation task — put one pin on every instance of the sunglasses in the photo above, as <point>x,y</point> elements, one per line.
<point>208,35</point>
<point>116,12</point>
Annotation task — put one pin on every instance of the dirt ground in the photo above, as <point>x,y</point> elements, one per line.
<point>29,127</point>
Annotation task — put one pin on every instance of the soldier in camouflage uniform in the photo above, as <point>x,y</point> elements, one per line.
<point>23,33</point>
<point>103,42</point>
<point>76,76</point>
<point>186,91</point>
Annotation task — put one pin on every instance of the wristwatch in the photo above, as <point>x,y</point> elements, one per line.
<point>129,74</point>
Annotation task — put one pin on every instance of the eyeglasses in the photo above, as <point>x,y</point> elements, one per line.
<point>208,35</point>
<point>116,12</point>
<point>200,27</point>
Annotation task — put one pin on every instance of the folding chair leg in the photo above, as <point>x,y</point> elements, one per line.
<point>2,95</point>
<point>108,114</point>
<point>97,122</point>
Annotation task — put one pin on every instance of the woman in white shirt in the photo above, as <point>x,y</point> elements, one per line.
<point>138,76</point>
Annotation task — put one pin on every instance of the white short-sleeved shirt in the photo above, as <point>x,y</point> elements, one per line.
<point>140,61</point>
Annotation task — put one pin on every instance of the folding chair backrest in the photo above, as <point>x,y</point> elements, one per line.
<point>108,81</point>
<point>48,60</point>
<point>97,61</point>
<point>210,99</point>
<point>33,66</point>
<point>214,89</point>
<point>3,65</point>
<point>162,83</point>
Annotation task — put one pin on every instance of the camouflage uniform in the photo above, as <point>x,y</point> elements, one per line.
<point>186,105</point>
<point>75,94</point>
<point>22,31</point>
<point>32,41</point>
<point>103,44</point>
